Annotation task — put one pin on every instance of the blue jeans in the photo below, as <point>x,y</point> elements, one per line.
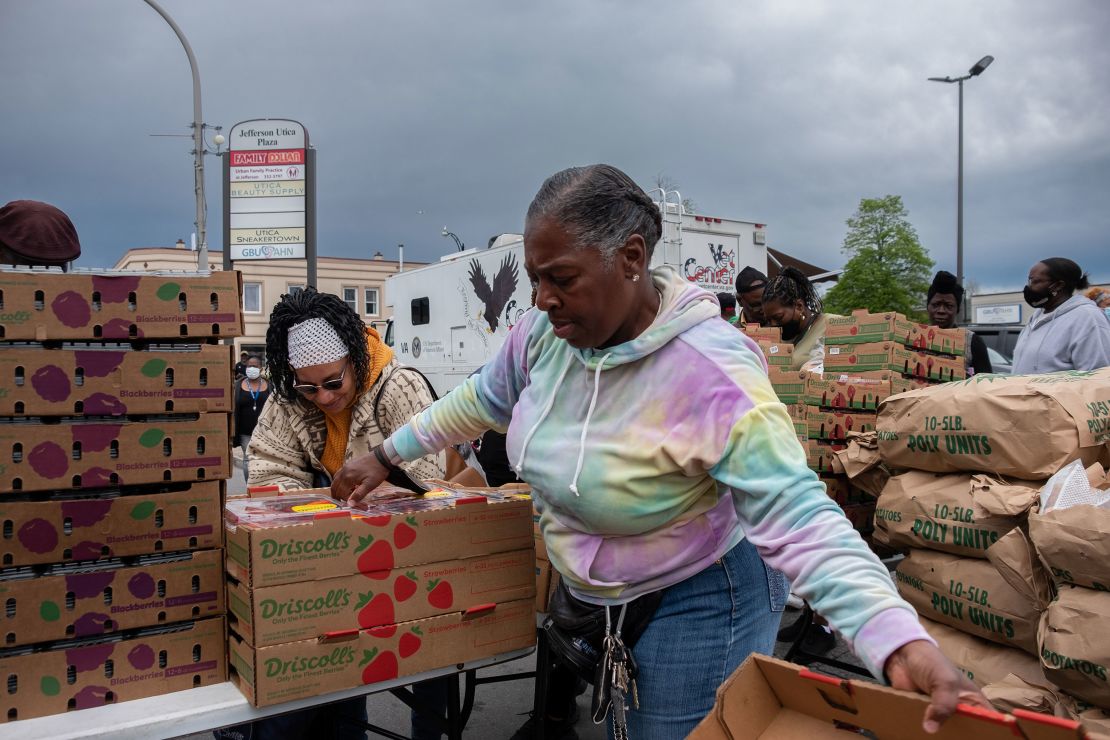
<point>703,629</point>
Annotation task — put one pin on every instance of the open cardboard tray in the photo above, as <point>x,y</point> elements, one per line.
<point>771,699</point>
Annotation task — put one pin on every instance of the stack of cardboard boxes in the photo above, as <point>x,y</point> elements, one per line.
<point>114,408</point>
<point>789,384</point>
<point>324,598</point>
<point>966,505</point>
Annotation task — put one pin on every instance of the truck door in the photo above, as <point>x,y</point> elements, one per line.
<point>466,349</point>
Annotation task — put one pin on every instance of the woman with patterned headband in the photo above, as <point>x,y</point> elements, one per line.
<point>337,392</point>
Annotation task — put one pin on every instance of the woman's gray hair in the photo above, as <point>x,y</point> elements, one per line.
<point>600,206</point>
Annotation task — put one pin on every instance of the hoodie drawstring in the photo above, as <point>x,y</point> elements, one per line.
<point>586,426</point>
<point>543,415</point>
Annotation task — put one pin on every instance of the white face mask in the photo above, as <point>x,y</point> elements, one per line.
<point>254,373</point>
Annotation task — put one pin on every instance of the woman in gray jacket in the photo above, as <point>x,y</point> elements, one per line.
<point>1066,331</point>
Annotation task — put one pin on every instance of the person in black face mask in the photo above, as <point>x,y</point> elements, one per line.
<point>1066,331</point>
<point>791,302</point>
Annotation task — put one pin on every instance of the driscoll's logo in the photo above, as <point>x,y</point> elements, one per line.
<point>334,542</point>
<point>340,656</point>
<point>335,598</point>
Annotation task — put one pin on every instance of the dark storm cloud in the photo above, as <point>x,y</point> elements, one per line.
<point>426,114</point>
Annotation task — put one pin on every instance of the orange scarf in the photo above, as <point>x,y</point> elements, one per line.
<point>339,425</point>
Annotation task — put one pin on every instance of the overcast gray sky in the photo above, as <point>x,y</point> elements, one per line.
<point>428,114</point>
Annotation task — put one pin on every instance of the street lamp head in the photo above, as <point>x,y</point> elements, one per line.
<point>218,139</point>
<point>941,79</point>
<point>981,66</point>
<point>445,231</point>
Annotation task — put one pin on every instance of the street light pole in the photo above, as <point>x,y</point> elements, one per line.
<point>975,71</point>
<point>198,141</point>
<point>458,242</point>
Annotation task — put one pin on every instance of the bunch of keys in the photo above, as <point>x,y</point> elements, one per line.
<point>615,680</point>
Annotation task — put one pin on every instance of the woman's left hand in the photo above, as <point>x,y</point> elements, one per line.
<point>358,477</point>
<point>920,666</point>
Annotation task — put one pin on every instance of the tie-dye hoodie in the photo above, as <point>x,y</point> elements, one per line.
<point>651,459</point>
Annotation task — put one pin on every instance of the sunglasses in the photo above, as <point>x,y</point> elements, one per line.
<point>308,389</point>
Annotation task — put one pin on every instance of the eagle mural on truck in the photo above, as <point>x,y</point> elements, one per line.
<point>494,298</point>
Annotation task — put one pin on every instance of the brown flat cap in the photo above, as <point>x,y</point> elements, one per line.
<point>38,232</point>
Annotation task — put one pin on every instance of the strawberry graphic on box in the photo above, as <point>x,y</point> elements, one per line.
<point>409,643</point>
<point>440,593</point>
<point>405,534</point>
<point>374,610</point>
<point>405,586</point>
<point>375,557</point>
<point>378,666</point>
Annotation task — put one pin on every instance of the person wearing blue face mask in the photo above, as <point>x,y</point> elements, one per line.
<point>1066,331</point>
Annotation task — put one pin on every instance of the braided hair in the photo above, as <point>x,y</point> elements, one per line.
<point>292,309</point>
<point>792,285</point>
<point>600,206</point>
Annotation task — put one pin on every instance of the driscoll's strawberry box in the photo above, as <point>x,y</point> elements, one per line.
<point>39,306</point>
<point>934,339</point>
<point>306,668</point>
<point>862,327</point>
<point>77,453</point>
<point>894,357</point>
<point>789,385</point>
<point>819,454</point>
<point>67,601</point>
<point>308,537</point>
<point>114,382</point>
<point>835,425</point>
<point>299,611</point>
<point>77,528</point>
<point>852,392</point>
<point>81,674</point>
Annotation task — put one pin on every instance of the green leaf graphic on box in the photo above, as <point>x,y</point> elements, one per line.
<point>364,599</point>
<point>168,291</point>
<point>367,656</point>
<point>142,510</point>
<point>151,437</point>
<point>153,368</point>
<point>49,611</point>
<point>50,686</point>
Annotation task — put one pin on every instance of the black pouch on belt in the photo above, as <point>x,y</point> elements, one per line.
<point>576,629</point>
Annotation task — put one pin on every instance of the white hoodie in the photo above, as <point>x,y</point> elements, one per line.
<point>1076,336</point>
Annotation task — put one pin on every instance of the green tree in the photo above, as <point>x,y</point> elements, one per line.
<point>888,269</point>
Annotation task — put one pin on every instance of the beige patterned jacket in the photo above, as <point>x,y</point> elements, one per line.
<point>289,439</point>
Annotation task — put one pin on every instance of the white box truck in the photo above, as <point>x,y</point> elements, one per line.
<point>451,317</point>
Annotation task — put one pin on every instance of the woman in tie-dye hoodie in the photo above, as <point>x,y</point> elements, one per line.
<point>661,459</point>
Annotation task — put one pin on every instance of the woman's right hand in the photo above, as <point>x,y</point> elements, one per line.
<point>357,478</point>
